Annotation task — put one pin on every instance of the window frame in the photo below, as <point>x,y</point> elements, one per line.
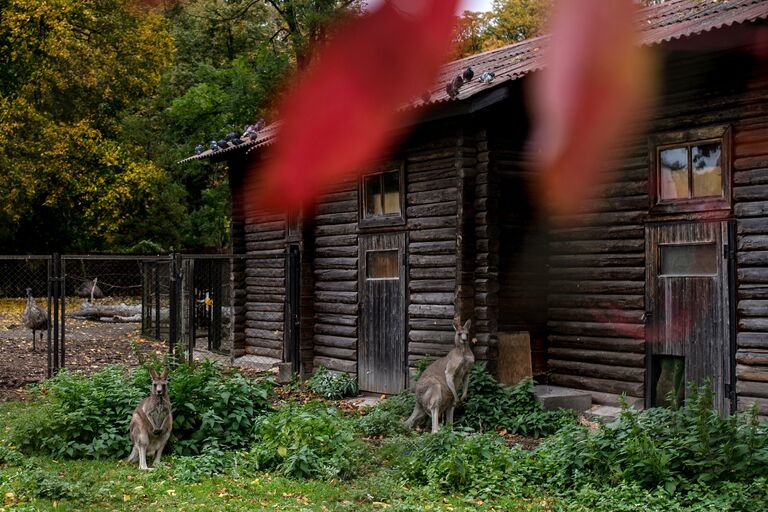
<point>390,219</point>
<point>689,138</point>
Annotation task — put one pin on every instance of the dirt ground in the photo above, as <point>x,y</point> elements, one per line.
<point>89,346</point>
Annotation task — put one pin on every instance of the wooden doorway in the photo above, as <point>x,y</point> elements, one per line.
<point>381,360</point>
<point>688,327</point>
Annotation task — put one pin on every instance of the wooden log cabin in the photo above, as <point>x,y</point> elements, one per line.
<point>664,280</point>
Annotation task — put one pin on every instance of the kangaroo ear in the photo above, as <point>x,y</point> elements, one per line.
<point>456,323</point>
<point>164,375</point>
<point>153,374</point>
<point>467,325</point>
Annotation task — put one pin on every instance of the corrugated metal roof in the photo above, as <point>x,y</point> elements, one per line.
<point>670,20</point>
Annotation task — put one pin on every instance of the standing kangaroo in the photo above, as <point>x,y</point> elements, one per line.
<point>436,390</point>
<point>151,422</point>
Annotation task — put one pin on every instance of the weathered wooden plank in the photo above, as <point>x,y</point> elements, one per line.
<point>336,263</point>
<point>336,319</point>
<point>335,352</point>
<point>431,261</point>
<point>338,286</point>
<point>599,287</point>
<point>432,285</point>
<point>264,306</point>
<point>752,373</point>
<point>752,177</point>
<point>753,209</point>
<point>752,242</point>
<point>752,258</point>
<point>346,331</point>
<point>447,247</point>
<point>335,241</point>
<point>429,349</point>
<point>752,389</point>
<point>273,353</point>
<point>752,340</point>
<point>745,403</point>
<point>753,275</point>
<point>431,310</point>
<point>265,316</point>
<point>604,273</point>
<point>336,308</point>
<point>752,291</point>
<point>336,297</point>
<point>754,307</point>
<point>598,260</point>
<point>599,233</point>
<point>263,334</point>
<point>431,336</point>
<point>752,358</point>
<point>430,235</point>
<point>747,226</point>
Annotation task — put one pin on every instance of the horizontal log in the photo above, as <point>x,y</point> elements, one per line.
<point>422,261</point>
<point>613,329</point>
<point>752,258</point>
<point>265,282</point>
<point>335,229</point>
<point>752,242</point>
<point>751,193</point>
<point>274,327</point>
<point>336,308</point>
<point>442,182</point>
<point>432,298</point>
<point>597,315</point>
<point>599,287</point>
<point>336,353</point>
<point>751,373</point>
<point>753,307</point>
<point>337,286</point>
<point>600,371</point>
<point>598,356</point>
<point>433,235</point>
<point>603,233</point>
<point>265,272</point>
<point>270,353</point>
<point>745,403</point>
<point>336,241</point>
<point>753,275</point>
<point>334,207</point>
<point>752,291</point>
<point>747,226</point>
<point>431,324</point>
<point>598,301</point>
<point>429,349</point>
<point>614,400</point>
<point>431,311</point>
<point>448,247</point>
<point>606,219</point>
<point>439,337</point>
<point>752,358</point>
<point>431,197</point>
<point>605,273</point>
<point>336,263</point>
<point>752,340</point>
<point>255,226</point>
<point>597,260</point>
<point>752,389</point>
<point>752,209</point>
<point>254,262</point>
<point>336,218</point>
<point>432,285</point>
<point>339,365</point>
<point>634,389</point>
<point>336,252</point>
<point>432,273</point>
<point>265,316</point>
<point>336,319</point>
<point>447,208</point>
<point>752,162</point>
<point>347,331</point>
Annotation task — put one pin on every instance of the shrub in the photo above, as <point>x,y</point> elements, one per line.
<point>449,461</point>
<point>490,405</point>
<point>332,385</point>
<point>77,416</point>
<point>386,417</point>
<point>311,441</point>
<point>673,449</point>
<point>210,462</point>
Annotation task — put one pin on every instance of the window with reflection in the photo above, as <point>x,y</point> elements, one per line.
<point>690,170</point>
<point>382,197</point>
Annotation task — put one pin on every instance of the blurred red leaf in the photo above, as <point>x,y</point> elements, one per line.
<point>591,97</point>
<point>344,111</point>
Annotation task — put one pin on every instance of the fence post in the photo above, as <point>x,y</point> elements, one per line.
<point>49,292</point>
<point>175,305</point>
<point>56,285</point>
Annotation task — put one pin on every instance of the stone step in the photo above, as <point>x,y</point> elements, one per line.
<point>603,413</point>
<point>556,397</point>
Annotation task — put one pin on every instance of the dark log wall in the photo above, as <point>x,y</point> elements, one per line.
<point>597,290</point>
<point>237,277</point>
<point>335,275</point>
<point>434,168</point>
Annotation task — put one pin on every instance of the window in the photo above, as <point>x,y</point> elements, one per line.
<point>688,260</point>
<point>689,171</point>
<point>382,265</point>
<point>382,198</point>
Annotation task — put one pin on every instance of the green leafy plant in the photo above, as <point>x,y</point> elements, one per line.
<point>490,406</point>
<point>310,441</point>
<point>76,416</point>
<point>386,417</point>
<point>332,385</point>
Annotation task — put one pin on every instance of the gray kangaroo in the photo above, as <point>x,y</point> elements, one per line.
<point>436,390</point>
<point>151,422</point>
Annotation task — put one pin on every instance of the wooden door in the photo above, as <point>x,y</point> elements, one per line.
<point>688,315</point>
<point>292,306</point>
<point>381,360</point>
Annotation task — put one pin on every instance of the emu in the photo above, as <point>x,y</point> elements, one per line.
<point>34,317</point>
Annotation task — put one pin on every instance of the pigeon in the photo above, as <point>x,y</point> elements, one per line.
<point>223,144</point>
<point>487,77</point>
<point>468,74</point>
<point>230,136</point>
<point>454,85</point>
<point>237,141</point>
<point>213,146</point>
<point>260,125</point>
<point>199,149</point>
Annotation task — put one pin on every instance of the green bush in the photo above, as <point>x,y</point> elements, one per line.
<point>449,461</point>
<point>386,417</point>
<point>310,441</point>
<point>210,462</point>
<point>491,406</point>
<point>332,385</point>
<point>76,416</point>
<point>672,449</point>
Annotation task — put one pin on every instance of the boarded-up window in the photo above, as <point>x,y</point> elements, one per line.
<point>382,265</point>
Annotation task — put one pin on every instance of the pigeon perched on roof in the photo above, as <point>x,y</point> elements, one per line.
<point>487,77</point>
<point>213,146</point>
<point>223,144</point>
<point>454,85</point>
<point>237,141</point>
<point>260,125</point>
<point>230,136</point>
<point>468,74</point>
<point>199,149</point>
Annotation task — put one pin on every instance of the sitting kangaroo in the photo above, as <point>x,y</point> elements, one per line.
<point>436,390</point>
<point>151,422</point>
